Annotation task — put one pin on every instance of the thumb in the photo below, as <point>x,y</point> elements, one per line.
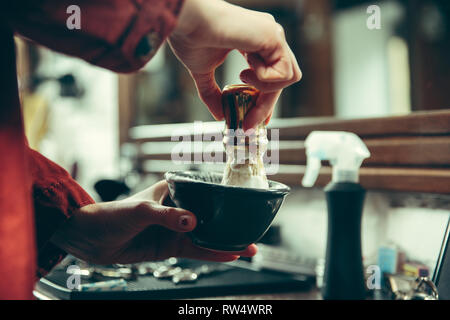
<point>210,93</point>
<point>175,219</point>
<point>262,111</point>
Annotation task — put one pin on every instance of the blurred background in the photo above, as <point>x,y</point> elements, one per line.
<point>88,119</point>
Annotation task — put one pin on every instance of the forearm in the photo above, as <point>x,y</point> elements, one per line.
<point>55,197</point>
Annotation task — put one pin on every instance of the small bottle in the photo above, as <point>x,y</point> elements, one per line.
<point>244,150</point>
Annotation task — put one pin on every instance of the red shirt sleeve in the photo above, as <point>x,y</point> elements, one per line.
<point>120,35</point>
<point>55,195</point>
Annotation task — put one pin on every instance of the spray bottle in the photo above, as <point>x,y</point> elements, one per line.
<point>344,275</point>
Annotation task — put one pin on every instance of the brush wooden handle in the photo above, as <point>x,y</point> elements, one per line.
<point>237,100</point>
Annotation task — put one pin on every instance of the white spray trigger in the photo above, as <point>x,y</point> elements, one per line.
<point>344,150</point>
<point>312,171</point>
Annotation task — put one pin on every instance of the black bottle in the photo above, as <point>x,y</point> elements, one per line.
<point>344,273</point>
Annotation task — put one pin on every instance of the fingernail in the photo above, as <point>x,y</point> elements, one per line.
<point>185,222</point>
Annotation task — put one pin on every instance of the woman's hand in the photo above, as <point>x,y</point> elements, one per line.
<point>136,229</point>
<point>208,30</point>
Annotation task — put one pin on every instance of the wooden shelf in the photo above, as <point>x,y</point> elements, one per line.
<point>408,153</point>
<point>433,123</point>
<point>393,152</point>
<point>387,179</point>
<point>383,179</point>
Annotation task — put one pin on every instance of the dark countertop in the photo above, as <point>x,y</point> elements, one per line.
<point>234,283</point>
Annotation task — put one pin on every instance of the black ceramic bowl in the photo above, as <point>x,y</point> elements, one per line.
<point>228,218</point>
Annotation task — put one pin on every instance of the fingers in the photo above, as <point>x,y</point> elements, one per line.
<point>188,250</point>
<point>175,219</point>
<point>181,246</point>
<point>271,78</point>
<point>210,93</point>
<point>249,76</point>
<point>262,111</point>
<point>271,90</point>
<point>266,122</point>
<point>272,59</point>
<point>157,192</point>
<point>272,69</point>
<point>279,72</point>
<point>250,251</point>
<point>297,71</point>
